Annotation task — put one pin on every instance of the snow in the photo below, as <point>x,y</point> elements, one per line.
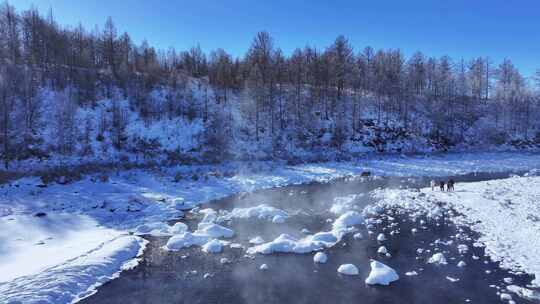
<point>286,243</point>
<point>381,274</point>
<point>411,273</point>
<point>256,240</point>
<point>278,219</point>
<point>320,258</point>
<point>438,259</point>
<point>184,240</point>
<point>160,229</point>
<point>85,215</point>
<point>214,230</point>
<point>381,237</point>
<point>263,267</point>
<point>461,264</point>
<point>524,292</point>
<point>382,250</point>
<point>76,278</point>
<point>212,246</point>
<point>505,297</point>
<point>504,212</point>
<point>348,269</point>
<point>263,212</point>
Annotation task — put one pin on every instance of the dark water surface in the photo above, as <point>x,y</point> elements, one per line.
<point>191,276</point>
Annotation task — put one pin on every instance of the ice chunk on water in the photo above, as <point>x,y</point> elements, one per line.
<point>214,230</point>
<point>382,250</point>
<point>348,269</point>
<point>278,219</point>
<point>186,239</point>
<point>381,274</point>
<point>213,246</point>
<point>256,240</point>
<point>437,258</point>
<point>320,258</point>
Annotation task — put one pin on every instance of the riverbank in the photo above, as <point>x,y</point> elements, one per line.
<point>131,200</point>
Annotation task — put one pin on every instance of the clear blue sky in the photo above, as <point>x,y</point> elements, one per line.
<point>459,28</point>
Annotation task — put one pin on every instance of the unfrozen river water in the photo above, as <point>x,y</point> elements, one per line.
<point>191,276</point>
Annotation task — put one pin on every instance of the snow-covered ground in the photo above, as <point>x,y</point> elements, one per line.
<point>84,225</point>
<point>505,212</point>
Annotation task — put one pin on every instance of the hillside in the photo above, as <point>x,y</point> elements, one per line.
<point>71,97</point>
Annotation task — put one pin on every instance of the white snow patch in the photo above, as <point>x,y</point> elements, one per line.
<point>77,278</point>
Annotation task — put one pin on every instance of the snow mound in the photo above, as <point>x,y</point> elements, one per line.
<point>262,212</point>
<point>278,219</point>
<point>212,246</point>
<point>210,215</point>
<point>381,237</point>
<point>381,274</point>
<point>184,240</point>
<point>156,229</point>
<point>286,243</point>
<point>438,258</point>
<point>214,230</point>
<point>382,250</point>
<point>263,267</point>
<point>461,264</point>
<point>358,236</point>
<point>178,228</point>
<point>348,269</point>
<point>320,258</point>
<point>256,240</point>
<point>204,233</point>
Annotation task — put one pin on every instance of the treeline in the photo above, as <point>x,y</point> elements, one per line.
<point>297,97</point>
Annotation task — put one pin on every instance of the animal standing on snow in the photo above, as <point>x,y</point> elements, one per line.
<point>450,186</point>
<point>441,185</point>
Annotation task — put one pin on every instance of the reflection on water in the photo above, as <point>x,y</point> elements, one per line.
<point>190,276</point>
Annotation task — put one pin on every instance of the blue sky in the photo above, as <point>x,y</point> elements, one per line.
<point>459,28</point>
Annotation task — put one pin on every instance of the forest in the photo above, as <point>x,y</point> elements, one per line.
<point>94,94</point>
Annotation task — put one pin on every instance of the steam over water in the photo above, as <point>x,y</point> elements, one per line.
<point>191,276</point>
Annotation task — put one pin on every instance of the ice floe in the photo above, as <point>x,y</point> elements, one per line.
<point>381,274</point>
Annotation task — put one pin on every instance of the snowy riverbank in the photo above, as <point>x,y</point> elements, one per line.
<point>505,212</point>
<point>49,234</point>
